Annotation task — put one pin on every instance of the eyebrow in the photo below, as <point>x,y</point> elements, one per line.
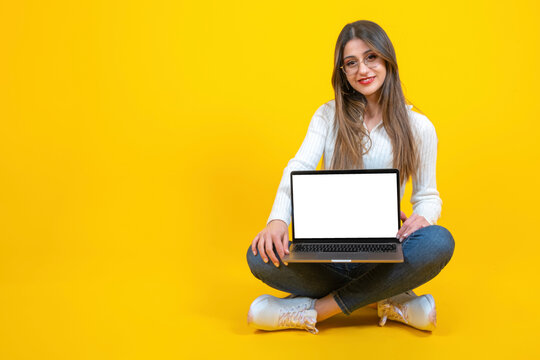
<point>350,56</point>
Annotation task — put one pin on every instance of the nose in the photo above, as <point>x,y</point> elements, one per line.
<point>362,69</point>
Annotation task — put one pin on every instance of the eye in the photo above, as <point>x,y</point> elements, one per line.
<point>372,57</point>
<point>351,63</point>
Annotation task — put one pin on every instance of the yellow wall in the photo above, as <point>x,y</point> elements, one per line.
<point>142,142</point>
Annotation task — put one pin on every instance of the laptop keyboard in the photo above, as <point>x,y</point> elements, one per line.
<point>345,247</point>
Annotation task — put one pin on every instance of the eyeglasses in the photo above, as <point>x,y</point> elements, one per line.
<point>352,64</point>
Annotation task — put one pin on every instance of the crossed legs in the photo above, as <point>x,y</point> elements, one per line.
<point>347,287</point>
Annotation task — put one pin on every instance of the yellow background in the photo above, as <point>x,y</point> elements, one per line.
<point>142,143</point>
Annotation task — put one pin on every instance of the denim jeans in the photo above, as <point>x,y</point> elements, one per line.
<point>354,285</point>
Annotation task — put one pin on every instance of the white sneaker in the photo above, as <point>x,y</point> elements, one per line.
<point>408,308</point>
<point>268,312</point>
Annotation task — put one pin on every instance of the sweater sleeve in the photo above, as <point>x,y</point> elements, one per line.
<point>307,158</point>
<point>425,198</point>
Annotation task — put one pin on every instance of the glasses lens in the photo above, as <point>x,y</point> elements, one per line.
<point>350,67</point>
<point>372,60</point>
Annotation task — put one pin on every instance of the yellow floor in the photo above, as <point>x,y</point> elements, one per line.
<point>133,307</point>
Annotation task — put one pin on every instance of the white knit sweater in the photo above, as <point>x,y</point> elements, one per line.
<point>320,139</point>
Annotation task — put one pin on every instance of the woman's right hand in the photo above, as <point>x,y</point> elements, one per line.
<point>275,233</point>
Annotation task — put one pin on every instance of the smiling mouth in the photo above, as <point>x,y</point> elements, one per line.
<point>366,80</point>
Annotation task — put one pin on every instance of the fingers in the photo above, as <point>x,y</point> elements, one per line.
<point>402,216</point>
<point>405,231</point>
<point>412,224</point>
<point>279,246</point>
<point>254,245</point>
<point>270,241</point>
<point>260,246</point>
<point>286,243</point>
<point>285,240</point>
<point>406,228</point>
<point>270,252</point>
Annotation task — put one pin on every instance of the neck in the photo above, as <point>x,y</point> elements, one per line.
<point>373,109</point>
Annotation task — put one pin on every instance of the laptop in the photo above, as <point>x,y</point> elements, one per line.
<point>345,216</point>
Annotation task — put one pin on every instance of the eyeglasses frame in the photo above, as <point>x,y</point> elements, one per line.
<point>365,63</point>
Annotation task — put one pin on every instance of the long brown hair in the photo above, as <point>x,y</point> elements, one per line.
<point>352,140</point>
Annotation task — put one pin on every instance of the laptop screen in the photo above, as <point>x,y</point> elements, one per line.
<point>330,205</point>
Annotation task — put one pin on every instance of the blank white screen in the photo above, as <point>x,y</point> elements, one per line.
<point>345,205</point>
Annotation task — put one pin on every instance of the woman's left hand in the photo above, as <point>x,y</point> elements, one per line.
<point>410,225</point>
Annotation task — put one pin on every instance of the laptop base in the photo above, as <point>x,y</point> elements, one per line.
<point>343,257</point>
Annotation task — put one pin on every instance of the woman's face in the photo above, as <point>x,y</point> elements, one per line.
<point>367,81</point>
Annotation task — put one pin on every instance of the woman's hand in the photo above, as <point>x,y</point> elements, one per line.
<point>410,225</point>
<point>275,233</point>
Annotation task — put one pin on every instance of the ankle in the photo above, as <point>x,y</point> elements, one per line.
<point>326,307</point>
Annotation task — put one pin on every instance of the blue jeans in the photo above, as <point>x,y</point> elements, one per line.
<point>354,285</point>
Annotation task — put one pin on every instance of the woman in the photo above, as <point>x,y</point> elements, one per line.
<point>367,125</point>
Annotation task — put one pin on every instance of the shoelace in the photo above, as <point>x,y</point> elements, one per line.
<point>298,320</point>
<point>303,306</point>
<point>393,311</point>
